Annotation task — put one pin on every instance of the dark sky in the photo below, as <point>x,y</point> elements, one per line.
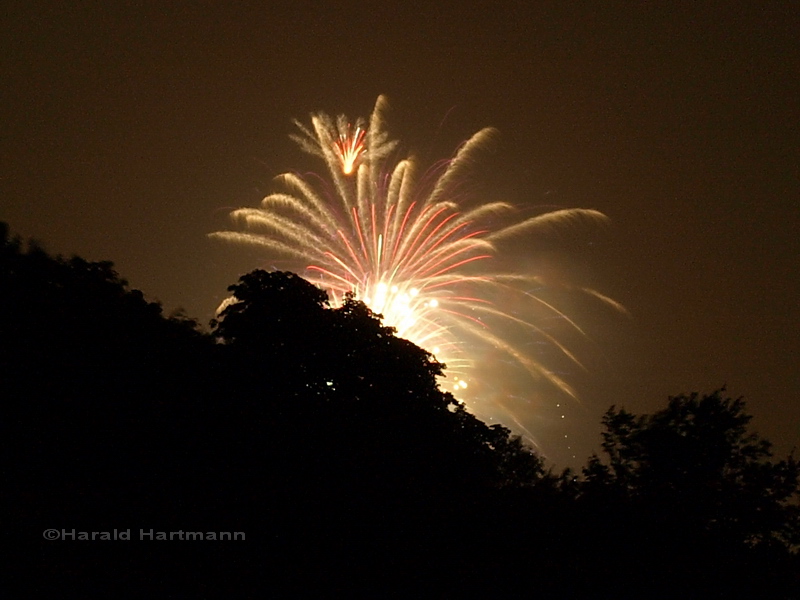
<point>130,129</point>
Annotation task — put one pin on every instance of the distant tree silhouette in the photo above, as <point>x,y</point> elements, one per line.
<point>688,490</point>
<point>694,462</point>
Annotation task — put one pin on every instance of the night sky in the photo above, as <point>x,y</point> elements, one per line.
<point>131,129</point>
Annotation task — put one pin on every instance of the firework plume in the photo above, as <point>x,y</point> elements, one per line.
<point>409,244</point>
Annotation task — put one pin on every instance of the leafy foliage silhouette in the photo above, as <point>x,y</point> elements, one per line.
<point>693,488</point>
<point>353,369</point>
<point>695,463</point>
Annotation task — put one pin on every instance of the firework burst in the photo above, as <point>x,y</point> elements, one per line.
<point>409,244</point>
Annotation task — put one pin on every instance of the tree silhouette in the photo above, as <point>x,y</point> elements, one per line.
<point>694,463</point>
<point>688,490</point>
<point>343,367</point>
<point>94,378</point>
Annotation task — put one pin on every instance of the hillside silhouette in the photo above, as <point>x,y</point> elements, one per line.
<point>324,437</point>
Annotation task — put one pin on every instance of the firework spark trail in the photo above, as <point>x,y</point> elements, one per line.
<point>414,251</point>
